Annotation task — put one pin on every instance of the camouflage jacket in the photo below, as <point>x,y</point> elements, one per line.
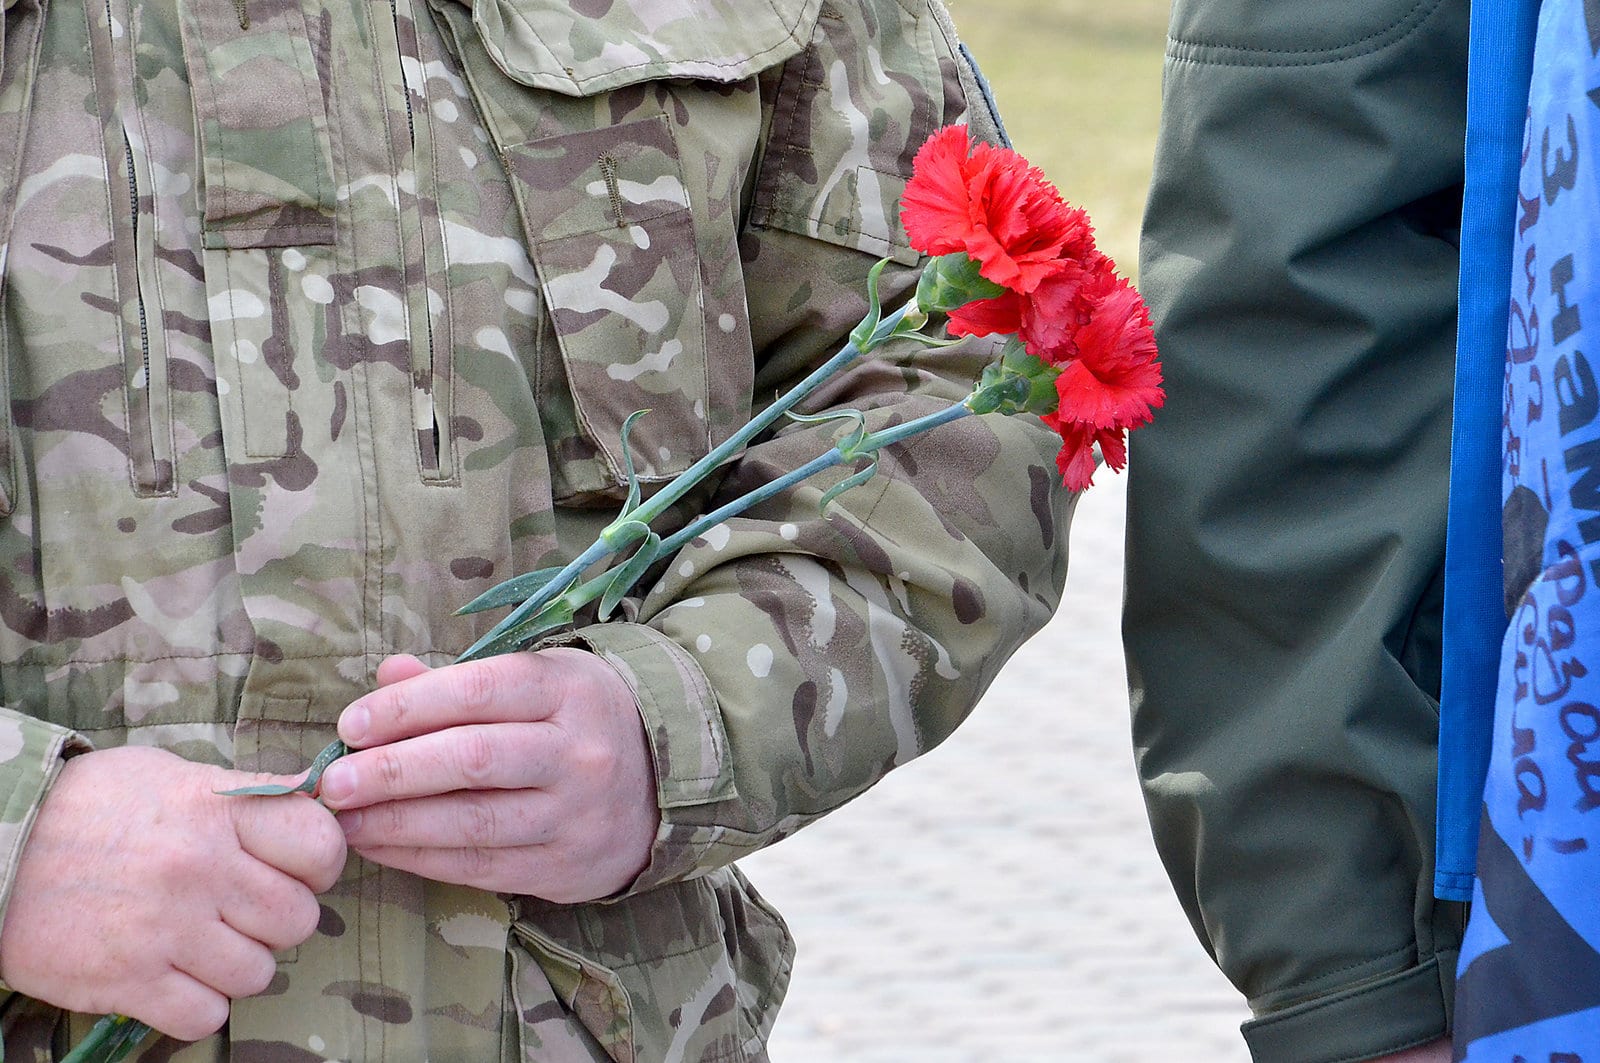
<point>318,318</point>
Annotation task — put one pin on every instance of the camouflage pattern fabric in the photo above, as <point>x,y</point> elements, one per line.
<point>319,318</point>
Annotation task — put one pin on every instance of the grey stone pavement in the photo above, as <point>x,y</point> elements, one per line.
<point>999,900</point>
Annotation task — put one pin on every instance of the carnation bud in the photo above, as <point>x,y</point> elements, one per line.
<point>952,281</point>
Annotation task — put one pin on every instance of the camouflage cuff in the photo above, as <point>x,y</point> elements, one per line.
<point>684,723</point>
<point>31,754</point>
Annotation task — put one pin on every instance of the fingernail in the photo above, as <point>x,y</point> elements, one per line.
<point>354,724</point>
<point>338,782</point>
<point>350,821</point>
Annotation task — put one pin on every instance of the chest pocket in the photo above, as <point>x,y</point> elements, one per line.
<point>21,24</point>
<point>627,144</point>
<point>841,181</point>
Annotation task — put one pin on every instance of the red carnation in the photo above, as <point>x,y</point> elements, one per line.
<point>989,203</point>
<point>1063,304</point>
<point>1075,460</point>
<point>1114,381</point>
<point>985,317</point>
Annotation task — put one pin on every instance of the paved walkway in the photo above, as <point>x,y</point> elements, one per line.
<point>999,900</point>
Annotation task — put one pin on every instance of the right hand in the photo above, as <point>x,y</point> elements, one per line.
<point>142,891</point>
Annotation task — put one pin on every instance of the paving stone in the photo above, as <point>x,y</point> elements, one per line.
<point>1000,899</point>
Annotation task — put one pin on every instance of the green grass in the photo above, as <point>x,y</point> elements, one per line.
<point>1079,87</point>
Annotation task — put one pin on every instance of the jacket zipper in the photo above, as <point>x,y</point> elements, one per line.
<point>423,257</point>
<point>150,462</point>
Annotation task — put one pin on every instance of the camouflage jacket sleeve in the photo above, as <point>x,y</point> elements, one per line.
<point>31,754</point>
<point>787,660</point>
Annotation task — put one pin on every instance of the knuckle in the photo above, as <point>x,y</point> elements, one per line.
<point>395,820</point>
<point>191,1016</point>
<point>391,771</point>
<point>480,684</point>
<point>479,826</point>
<point>595,758</point>
<point>300,921</point>
<point>476,758</point>
<point>326,850</point>
<point>174,868</point>
<point>478,863</point>
<point>256,974</point>
<point>403,706</point>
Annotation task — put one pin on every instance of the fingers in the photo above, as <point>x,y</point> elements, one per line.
<point>229,962</point>
<point>496,870</point>
<point>489,819</point>
<point>293,834</point>
<point>475,757</point>
<point>180,1006</point>
<point>269,906</point>
<point>514,687</point>
<point>396,669</point>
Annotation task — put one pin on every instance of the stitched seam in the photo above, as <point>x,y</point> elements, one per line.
<point>1393,954</point>
<point>1338,999</point>
<point>300,34</point>
<point>1199,43</point>
<point>702,697</point>
<point>233,330</point>
<point>1313,57</point>
<point>311,233</point>
<point>783,134</point>
<point>8,209</point>
<point>657,958</point>
<point>336,122</point>
<point>209,79</point>
<point>1387,1049</point>
<point>789,36</point>
<point>795,216</point>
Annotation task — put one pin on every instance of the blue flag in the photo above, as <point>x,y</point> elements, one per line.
<point>1528,987</point>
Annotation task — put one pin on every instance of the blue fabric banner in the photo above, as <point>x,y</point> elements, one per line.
<point>1529,979</point>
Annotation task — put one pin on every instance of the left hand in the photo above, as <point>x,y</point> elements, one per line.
<point>523,773</point>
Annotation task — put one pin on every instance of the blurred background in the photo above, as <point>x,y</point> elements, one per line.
<point>1000,899</point>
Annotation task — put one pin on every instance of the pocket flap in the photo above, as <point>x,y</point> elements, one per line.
<point>583,49</point>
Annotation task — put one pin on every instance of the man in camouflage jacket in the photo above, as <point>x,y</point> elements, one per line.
<point>316,320</point>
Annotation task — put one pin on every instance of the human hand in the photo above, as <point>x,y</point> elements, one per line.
<point>523,773</point>
<point>142,891</point>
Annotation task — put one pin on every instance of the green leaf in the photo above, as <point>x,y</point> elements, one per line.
<point>330,753</point>
<point>935,342</point>
<point>853,480</point>
<point>618,536</point>
<point>627,574</point>
<point>857,434</point>
<point>513,591</point>
<point>555,614</point>
<point>627,461</point>
<point>862,334</point>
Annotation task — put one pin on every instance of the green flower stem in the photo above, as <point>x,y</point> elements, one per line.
<point>680,485</point>
<point>110,1040</point>
<point>869,444</point>
<point>558,585</point>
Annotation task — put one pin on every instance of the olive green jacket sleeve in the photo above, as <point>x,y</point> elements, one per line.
<point>1287,508</point>
<point>788,659</point>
